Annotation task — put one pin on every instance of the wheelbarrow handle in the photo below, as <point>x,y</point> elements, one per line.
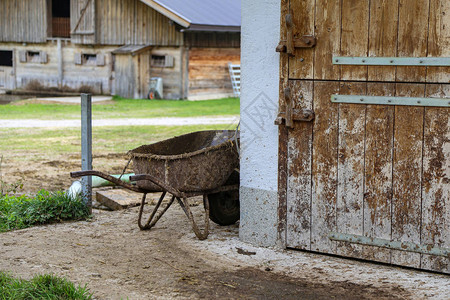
<point>159,183</point>
<point>110,178</point>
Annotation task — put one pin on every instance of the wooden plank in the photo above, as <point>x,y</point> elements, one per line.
<point>439,39</point>
<point>118,199</point>
<point>383,30</point>
<point>412,37</point>
<point>13,28</point>
<point>354,36</point>
<point>301,65</point>
<point>378,171</point>
<point>282,135</point>
<point>324,167</point>
<point>436,181</point>
<point>350,190</point>
<point>407,174</point>
<point>328,32</point>
<point>299,151</point>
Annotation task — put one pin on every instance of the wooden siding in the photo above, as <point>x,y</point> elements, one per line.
<point>132,22</point>
<point>212,39</point>
<point>208,71</point>
<point>23,21</point>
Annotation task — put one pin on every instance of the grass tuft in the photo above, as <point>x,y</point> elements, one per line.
<point>18,212</point>
<point>40,287</point>
<point>122,108</point>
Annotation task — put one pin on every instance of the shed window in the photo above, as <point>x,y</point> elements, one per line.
<point>89,59</point>
<point>33,56</point>
<point>162,61</point>
<point>6,58</point>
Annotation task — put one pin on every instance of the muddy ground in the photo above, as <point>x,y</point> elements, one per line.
<point>118,261</point>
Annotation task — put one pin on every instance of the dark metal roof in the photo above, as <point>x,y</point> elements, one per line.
<point>201,14</point>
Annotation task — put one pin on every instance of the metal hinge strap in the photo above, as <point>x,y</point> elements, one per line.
<point>387,100</point>
<point>393,61</point>
<point>395,245</point>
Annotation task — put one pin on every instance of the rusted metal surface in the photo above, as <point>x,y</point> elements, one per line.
<point>306,41</point>
<point>303,115</point>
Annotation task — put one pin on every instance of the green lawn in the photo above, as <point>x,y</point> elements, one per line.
<point>114,139</point>
<point>123,108</point>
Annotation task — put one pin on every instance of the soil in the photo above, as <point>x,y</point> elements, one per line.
<point>118,261</point>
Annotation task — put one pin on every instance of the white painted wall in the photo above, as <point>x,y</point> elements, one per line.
<point>259,93</point>
<point>260,33</point>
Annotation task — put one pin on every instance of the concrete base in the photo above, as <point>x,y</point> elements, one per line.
<point>258,227</point>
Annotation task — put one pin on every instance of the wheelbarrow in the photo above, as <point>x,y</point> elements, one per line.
<point>203,163</point>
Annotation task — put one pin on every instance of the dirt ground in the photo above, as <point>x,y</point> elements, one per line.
<point>119,261</point>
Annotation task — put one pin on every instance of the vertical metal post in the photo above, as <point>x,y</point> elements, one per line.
<point>86,146</point>
<point>60,63</point>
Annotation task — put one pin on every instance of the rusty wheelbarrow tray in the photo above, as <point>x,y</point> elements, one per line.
<point>193,164</point>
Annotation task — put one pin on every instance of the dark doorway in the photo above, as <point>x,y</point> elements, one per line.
<point>60,18</point>
<point>6,58</point>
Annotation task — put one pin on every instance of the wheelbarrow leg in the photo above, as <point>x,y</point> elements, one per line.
<point>151,222</point>
<point>185,205</point>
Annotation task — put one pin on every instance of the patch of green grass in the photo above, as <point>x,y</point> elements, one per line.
<point>40,287</point>
<point>113,139</point>
<point>123,108</point>
<point>17,212</point>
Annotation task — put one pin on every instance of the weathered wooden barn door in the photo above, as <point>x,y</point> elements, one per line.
<point>82,21</point>
<point>369,176</point>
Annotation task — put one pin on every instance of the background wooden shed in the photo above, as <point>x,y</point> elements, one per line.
<point>76,44</point>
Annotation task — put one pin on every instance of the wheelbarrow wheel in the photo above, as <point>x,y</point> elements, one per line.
<point>224,207</point>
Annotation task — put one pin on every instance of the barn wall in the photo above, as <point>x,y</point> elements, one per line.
<point>208,72</point>
<point>259,135</point>
<point>134,23</point>
<point>23,21</point>
<point>46,72</point>
<point>172,76</point>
